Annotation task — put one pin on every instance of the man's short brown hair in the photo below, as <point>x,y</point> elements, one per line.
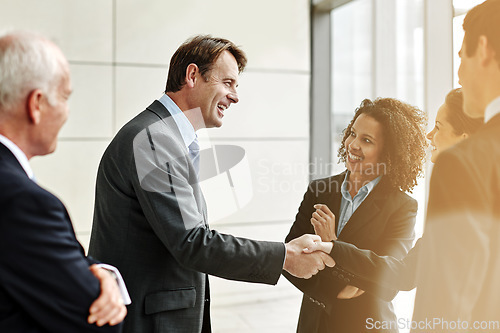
<point>483,20</point>
<point>202,50</point>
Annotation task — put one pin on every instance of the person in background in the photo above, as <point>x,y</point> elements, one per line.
<point>47,284</point>
<point>383,149</point>
<point>452,124</point>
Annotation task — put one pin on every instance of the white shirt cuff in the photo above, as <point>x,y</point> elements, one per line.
<point>120,281</point>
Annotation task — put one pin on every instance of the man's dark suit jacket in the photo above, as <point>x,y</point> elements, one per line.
<point>45,281</point>
<point>383,223</point>
<point>459,267</point>
<point>150,222</point>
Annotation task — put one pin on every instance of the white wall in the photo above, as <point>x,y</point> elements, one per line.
<point>119,52</point>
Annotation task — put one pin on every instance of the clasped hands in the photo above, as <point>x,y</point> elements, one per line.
<point>307,255</point>
<point>323,222</point>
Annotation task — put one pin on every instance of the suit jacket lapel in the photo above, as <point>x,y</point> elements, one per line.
<point>336,200</point>
<point>332,195</point>
<point>162,112</point>
<point>365,213</point>
<point>159,109</point>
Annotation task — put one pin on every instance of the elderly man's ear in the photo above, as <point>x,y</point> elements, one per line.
<point>35,105</point>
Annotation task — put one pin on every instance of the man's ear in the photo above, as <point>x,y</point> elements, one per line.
<point>191,75</point>
<point>34,106</point>
<point>486,53</point>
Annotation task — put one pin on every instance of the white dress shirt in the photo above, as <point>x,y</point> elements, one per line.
<point>19,154</point>
<point>492,109</point>
<point>185,127</point>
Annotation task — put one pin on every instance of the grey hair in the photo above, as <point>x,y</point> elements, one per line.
<point>28,61</point>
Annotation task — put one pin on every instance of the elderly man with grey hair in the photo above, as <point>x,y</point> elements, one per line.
<point>47,284</point>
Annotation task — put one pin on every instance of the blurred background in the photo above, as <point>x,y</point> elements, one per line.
<point>310,65</point>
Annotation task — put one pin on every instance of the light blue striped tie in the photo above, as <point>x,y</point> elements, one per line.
<point>194,153</point>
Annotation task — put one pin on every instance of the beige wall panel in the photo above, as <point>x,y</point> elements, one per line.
<point>275,34</point>
<point>274,105</point>
<point>84,239</point>
<point>275,184</point>
<point>281,112</point>
<point>83,29</point>
<point>136,88</point>
<point>70,174</point>
<point>91,113</point>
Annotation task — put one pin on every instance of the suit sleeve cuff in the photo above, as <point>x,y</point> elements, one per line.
<point>284,257</point>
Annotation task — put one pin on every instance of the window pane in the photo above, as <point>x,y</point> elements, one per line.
<point>464,5</point>
<point>352,65</point>
<point>458,36</point>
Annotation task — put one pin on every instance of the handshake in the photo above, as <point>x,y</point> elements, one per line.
<point>307,255</point>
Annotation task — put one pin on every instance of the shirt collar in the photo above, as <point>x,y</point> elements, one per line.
<point>492,109</point>
<point>19,154</point>
<point>187,130</point>
<point>367,188</point>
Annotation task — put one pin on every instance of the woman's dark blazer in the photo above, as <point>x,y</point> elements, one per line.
<point>383,223</point>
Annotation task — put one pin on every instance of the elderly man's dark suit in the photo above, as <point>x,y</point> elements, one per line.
<point>383,223</point>
<point>45,281</point>
<point>150,222</point>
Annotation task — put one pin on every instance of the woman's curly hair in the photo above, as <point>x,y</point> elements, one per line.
<point>404,150</point>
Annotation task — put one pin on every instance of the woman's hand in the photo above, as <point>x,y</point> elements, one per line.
<point>323,222</point>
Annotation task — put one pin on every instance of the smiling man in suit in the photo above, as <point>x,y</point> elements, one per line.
<point>150,216</point>
<point>46,282</point>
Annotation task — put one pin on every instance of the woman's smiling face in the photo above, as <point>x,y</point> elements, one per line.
<point>364,147</point>
<point>442,135</point>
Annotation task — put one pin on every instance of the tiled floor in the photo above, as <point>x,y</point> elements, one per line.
<point>250,308</point>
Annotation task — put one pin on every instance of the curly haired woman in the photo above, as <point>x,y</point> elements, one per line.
<point>383,149</point>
